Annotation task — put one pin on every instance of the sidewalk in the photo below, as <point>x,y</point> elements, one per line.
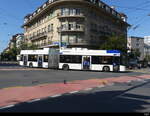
<point>16,95</point>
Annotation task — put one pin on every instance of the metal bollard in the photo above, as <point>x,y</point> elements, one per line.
<point>65,82</point>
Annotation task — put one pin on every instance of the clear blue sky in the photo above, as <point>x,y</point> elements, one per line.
<point>12,13</point>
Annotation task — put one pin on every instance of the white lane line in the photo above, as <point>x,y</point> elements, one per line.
<point>101,86</point>
<point>88,89</point>
<point>143,81</point>
<point>56,95</point>
<point>128,81</point>
<point>34,100</point>
<point>111,84</point>
<point>74,92</point>
<point>9,106</point>
<point>139,80</point>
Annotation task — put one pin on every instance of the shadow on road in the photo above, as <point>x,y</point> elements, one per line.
<point>94,102</point>
<point>9,64</point>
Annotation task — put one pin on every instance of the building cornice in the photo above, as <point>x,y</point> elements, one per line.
<point>52,3</point>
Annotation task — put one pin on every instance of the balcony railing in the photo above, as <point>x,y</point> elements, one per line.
<point>45,44</point>
<point>41,35</point>
<point>60,16</point>
<point>60,29</point>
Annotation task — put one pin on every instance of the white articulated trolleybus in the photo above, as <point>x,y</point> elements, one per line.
<point>73,59</point>
<point>84,59</point>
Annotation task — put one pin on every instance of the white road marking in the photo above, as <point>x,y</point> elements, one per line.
<point>139,80</point>
<point>88,89</point>
<point>128,81</point>
<point>9,106</point>
<point>74,92</point>
<point>101,86</point>
<point>143,81</point>
<point>56,95</point>
<point>34,100</point>
<point>111,84</point>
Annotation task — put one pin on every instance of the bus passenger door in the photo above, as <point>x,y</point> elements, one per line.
<point>116,64</point>
<point>40,61</point>
<point>86,62</point>
<point>25,60</point>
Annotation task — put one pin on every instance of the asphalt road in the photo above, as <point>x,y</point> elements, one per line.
<point>133,97</point>
<point>34,77</point>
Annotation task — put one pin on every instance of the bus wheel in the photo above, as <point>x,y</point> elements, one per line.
<point>106,69</point>
<point>65,67</point>
<point>31,65</point>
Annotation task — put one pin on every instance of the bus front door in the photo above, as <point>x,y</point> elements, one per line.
<point>116,64</point>
<point>86,62</point>
<point>40,61</point>
<point>25,61</point>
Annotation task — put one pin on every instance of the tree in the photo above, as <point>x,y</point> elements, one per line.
<point>147,58</point>
<point>115,43</point>
<point>11,55</point>
<point>134,54</point>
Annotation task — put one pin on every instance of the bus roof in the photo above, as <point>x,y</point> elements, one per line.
<point>35,52</point>
<point>90,52</point>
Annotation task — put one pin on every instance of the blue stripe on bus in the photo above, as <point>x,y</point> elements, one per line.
<point>113,51</point>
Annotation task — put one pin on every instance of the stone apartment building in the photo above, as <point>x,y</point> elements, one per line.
<point>147,46</point>
<point>136,43</point>
<point>76,23</point>
<point>15,42</point>
<point>19,39</point>
<point>12,43</point>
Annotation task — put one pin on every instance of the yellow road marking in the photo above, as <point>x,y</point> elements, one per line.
<point>13,87</point>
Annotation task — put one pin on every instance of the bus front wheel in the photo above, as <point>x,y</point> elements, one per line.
<point>65,67</point>
<point>106,69</point>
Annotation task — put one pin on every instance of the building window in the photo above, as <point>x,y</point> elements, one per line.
<point>65,38</point>
<point>50,28</point>
<point>137,45</point>
<point>78,11</point>
<point>72,39</point>
<point>71,26</point>
<point>51,14</point>
<point>78,26</point>
<point>79,38</point>
<point>70,11</point>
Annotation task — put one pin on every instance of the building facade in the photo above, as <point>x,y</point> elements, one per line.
<point>135,43</point>
<point>147,40</point>
<point>12,43</point>
<point>19,40</point>
<point>76,23</point>
<point>146,46</point>
<point>146,50</point>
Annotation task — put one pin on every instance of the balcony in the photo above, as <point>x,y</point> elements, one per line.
<point>46,44</point>
<point>63,30</point>
<point>39,36</point>
<point>60,16</point>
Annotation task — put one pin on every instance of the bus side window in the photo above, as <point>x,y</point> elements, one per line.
<point>96,60</point>
<point>62,59</point>
<point>68,59</point>
<point>76,59</point>
<point>107,60</point>
<point>32,58</point>
<point>21,58</point>
<point>45,58</point>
